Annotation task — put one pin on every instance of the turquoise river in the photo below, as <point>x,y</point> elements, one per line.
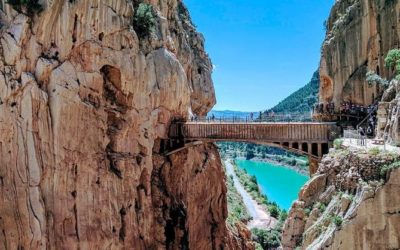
<point>280,184</point>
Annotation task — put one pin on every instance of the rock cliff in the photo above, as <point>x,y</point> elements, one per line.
<point>352,202</point>
<point>359,35</point>
<point>85,102</point>
<point>388,114</point>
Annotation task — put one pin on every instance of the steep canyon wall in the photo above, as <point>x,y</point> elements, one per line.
<point>84,105</point>
<point>352,202</point>
<point>359,35</point>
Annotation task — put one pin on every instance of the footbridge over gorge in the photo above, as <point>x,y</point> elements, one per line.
<point>307,138</point>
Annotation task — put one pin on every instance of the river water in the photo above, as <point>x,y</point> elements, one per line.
<point>280,184</point>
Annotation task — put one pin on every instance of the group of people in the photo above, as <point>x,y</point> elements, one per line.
<point>347,108</point>
<point>356,109</point>
<point>370,128</point>
<point>327,108</point>
<point>195,118</point>
<point>368,132</point>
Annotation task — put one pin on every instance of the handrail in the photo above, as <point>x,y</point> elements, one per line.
<point>375,108</point>
<point>273,118</point>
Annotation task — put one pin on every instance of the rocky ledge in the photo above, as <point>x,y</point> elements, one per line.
<point>352,202</point>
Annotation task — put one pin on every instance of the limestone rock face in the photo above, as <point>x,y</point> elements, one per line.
<point>349,204</point>
<point>359,35</point>
<point>84,105</point>
<point>389,114</point>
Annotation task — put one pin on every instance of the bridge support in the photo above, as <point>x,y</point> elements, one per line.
<point>309,147</point>
<point>313,165</point>
<point>319,150</point>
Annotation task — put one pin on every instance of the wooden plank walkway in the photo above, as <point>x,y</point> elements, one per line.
<point>272,132</point>
<point>310,138</point>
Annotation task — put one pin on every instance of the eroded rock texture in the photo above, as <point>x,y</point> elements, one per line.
<point>349,204</point>
<point>359,35</point>
<point>84,104</point>
<point>389,114</point>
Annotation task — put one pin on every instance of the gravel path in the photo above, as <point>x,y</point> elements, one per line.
<point>261,218</point>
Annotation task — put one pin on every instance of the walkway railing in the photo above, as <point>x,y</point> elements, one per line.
<point>351,134</point>
<point>369,115</point>
<point>253,131</point>
<point>248,119</point>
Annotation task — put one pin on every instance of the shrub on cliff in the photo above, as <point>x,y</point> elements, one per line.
<point>337,220</point>
<point>28,7</point>
<point>392,61</point>
<point>387,168</point>
<point>274,211</point>
<point>249,154</point>
<point>374,151</point>
<point>338,143</point>
<point>144,20</point>
<point>374,78</point>
<point>267,239</point>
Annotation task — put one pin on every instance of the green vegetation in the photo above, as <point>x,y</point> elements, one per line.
<point>337,143</point>
<point>268,239</point>
<point>249,154</point>
<point>392,61</point>
<point>307,211</point>
<point>250,184</point>
<point>250,151</point>
<point>144,21</point>
<point>184,13</point>
<point>337,220</point>
<point>274,211</point>
<point>374,151</point>
<point>387,168</point>
<point>373,78</point>
<point>321,207</point>
<point>29,7</point>
<point>264,239</point>
<point>302,100</point>
<point>236,209</point>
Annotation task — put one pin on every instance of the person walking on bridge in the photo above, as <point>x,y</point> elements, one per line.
<point>272,115</point>
<point>362,135</point>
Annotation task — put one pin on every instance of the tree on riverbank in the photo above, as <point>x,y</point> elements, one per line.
<point>250,183</point>
<point>267,239</point>
<point>249,155</point>
<point>236,208</point>
<point>250,151</point>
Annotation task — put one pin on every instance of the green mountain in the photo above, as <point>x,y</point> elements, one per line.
<point>302,100</point>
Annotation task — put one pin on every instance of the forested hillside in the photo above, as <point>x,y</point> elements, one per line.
<point>302,100</point>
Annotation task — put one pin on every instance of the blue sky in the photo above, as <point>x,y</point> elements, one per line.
<point>262,50</point>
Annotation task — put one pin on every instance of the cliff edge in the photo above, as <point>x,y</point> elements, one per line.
<point>87,92</point>
<point>352,202</point>
<point>359,34</point>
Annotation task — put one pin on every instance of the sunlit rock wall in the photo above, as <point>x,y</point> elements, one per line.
<point>84,104</point>
<point>359,35</point>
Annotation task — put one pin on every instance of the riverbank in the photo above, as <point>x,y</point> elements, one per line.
<point>298,169</point>
<point>277,156</point>
<point>260,217</point>
<point>280,185</point>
